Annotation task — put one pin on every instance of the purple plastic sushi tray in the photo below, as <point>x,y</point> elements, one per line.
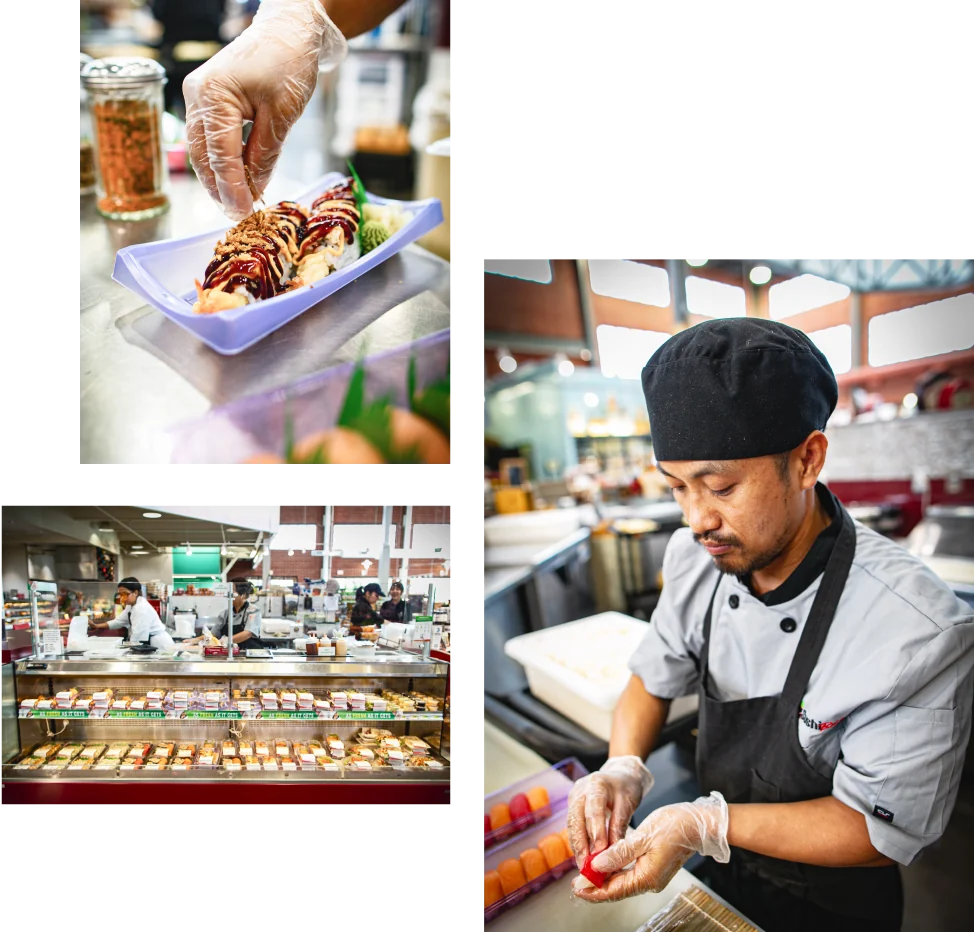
<point>162,273</point>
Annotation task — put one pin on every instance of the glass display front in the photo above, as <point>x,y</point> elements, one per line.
<point>301,723</point>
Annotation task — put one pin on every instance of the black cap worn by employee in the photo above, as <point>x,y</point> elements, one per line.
<point>130,584</point>
<point>735,389</point>
<point>730,390</point>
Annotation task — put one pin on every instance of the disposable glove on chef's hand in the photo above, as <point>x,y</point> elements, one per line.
<point>659,848</point>
<point>601,804</point>
<point>267,74</point>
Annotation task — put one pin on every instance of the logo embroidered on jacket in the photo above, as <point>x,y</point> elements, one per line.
<point>811,723</point>
<point>884,814</point>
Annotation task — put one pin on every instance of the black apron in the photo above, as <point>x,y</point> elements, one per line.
<point>253,642</point>
<point>749,751</point>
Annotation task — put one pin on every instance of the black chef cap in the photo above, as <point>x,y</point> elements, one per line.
<point>242,586</point>
<point>131,584</point>
<point>373,587</point>
<point>734,389</point>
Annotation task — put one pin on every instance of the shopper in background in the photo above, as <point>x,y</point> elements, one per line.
<point>266,75</point>
<point>364,614</point>
<point>138,616</point>
<point>394,608</point>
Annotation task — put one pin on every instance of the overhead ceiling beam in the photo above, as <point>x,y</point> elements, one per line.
<point>866,275</point>
<point>130,530</point>
<point>588,315</point>
<point>529,343</point>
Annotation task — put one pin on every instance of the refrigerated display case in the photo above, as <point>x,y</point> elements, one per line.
<point>288,729</point>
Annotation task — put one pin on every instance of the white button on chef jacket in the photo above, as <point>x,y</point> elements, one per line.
<point>887,710</point>
<point>144,624</point>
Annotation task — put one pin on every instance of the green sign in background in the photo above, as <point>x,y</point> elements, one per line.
<point>203,561</point>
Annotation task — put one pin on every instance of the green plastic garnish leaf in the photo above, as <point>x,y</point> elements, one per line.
<point>288,438</point>
<point>375,424</point>
<point>354,398</point>
<point>433,402</point>
<point>360,196</point>
<point>435,408</point>
<point>411,381</point>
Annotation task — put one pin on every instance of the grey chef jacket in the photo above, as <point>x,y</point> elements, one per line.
<point>888,705</point>
<point>248,619</point>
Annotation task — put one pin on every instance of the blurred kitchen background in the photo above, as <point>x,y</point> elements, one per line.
<point>384,108</point>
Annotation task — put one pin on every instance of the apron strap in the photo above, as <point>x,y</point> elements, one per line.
<point>705,652</point>
<point>823,611</point>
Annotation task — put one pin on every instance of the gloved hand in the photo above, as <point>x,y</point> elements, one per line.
<point>267,74</point>
<point>617,788</point>
<point>659,848</point>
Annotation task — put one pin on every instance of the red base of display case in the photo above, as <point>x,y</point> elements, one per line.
<point>345,791</point>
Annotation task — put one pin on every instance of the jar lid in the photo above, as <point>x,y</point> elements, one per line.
<point>122,72</point>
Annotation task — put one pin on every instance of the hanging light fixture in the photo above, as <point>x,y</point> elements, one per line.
<point>505,360</point>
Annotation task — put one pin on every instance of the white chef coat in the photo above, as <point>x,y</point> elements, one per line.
<point>888,705</point>
<point>144,625</point>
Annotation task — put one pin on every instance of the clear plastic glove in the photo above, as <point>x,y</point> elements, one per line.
<point>601,804</point>
<point>659,848</point>
<point>267,74</point>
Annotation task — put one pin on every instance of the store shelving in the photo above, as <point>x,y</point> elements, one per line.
<point>423,777</point>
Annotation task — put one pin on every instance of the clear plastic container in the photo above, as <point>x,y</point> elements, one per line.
<point>126,103</point>
<point>556,781</point>
<point>532,833</point>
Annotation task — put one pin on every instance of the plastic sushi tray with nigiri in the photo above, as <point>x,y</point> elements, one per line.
<point>393,407</point>
<point>231,288</point>
<point>529,802</point>
<point>542,856</point>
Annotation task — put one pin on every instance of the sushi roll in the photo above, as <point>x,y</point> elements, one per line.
<point>329,239</point>
<point>254,261</point>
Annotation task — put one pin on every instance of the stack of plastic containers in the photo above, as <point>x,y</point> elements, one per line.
<point>525,837</point>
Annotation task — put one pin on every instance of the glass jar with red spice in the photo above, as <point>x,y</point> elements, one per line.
<point>126,104</point>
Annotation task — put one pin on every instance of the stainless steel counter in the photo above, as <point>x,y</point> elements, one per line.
<point>396,664</point>
<point>141,373</point>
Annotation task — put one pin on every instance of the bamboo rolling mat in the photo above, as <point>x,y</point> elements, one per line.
<point>693,910</point>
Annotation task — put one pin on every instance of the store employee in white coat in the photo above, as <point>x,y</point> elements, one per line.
<point>139,617</point>
<point>833,669</point>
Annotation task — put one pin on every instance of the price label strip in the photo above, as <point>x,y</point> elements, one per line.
<point>147,713</point>
<point>58,713</point>
<point>199,713</point>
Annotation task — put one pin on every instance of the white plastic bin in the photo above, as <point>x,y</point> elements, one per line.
<point>581,668</point>
<point>533,527</point>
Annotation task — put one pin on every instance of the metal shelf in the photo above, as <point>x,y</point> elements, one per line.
<point>155,720</point>
<point>398,664</point>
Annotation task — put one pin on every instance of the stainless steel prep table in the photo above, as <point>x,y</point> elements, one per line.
<point>139,368</point>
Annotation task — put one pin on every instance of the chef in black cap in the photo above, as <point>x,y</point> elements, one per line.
<point>833,669</point>
<point>363,613</point>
